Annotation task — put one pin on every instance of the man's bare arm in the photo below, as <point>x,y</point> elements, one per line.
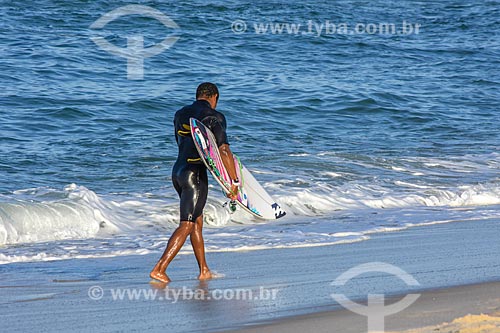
<point>228,160</point>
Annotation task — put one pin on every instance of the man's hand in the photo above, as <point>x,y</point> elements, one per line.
<point>233,195</point>
<point>229,163</point>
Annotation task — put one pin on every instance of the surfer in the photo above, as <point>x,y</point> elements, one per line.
<point>189,176</point>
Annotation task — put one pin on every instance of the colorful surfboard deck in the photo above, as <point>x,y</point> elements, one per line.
<point>252,197</point>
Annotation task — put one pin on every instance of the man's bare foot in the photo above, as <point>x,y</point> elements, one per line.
<point>205,275</point>
<point>162,277</point>
<point>157,284</point>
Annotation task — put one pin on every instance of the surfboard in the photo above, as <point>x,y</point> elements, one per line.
<point>252,197</point>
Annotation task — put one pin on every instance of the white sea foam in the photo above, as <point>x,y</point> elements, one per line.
<point>407,184</point>
<point>80,215</point>
<point>78,223</point>
<point>332,174</point>
<point>44,256</point>
<point>325,199</point>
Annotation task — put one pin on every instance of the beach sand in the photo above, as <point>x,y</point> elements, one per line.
<point>456,266</point>
<point>471,324</point>
<point>470,308</point>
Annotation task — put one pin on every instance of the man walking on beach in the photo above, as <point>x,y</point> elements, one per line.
<point>189,176</point>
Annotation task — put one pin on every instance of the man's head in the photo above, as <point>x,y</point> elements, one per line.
<point>208,92</point>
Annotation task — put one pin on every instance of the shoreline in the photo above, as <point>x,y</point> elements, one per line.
<point>58,294</point>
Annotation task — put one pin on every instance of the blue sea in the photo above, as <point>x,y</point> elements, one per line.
<point>353,129</point>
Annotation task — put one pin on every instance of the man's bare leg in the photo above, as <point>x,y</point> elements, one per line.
<point>174,245</point>
<point>199,249</point>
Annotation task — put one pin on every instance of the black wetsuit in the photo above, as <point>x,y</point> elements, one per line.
<point>189,174</point>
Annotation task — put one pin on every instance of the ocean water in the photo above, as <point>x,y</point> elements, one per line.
<point>352,133</point>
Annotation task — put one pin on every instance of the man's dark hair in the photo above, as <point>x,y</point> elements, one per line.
<point>207,89</point>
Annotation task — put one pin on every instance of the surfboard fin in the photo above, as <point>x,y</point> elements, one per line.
<point>231,204</point>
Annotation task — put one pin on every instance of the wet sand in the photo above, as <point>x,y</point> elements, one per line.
<point>84,294</point>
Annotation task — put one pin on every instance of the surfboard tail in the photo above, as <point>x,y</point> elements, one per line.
<point>252,197</point>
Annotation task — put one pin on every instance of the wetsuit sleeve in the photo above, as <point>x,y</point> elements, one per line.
<point>217,125</point>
